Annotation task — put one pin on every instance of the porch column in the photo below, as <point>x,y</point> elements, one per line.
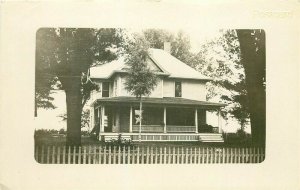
<point>219,121</point>
<point>165,120</point>
<point>196,120</point>
<point>130,120</point>
<point>102,119</point>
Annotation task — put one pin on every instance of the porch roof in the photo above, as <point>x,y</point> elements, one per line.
<point>170,101</point>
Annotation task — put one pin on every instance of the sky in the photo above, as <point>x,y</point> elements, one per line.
<point>48,119</point>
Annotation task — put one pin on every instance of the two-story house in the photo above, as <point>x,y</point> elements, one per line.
<point>174,111</point>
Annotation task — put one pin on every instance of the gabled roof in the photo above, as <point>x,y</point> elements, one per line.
<point>175,67</point>
<point>168,64</point>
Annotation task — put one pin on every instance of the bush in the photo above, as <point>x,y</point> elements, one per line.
<point>240,137</point>
<point>120,142</point>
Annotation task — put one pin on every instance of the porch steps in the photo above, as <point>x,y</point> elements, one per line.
<point>211,138</point>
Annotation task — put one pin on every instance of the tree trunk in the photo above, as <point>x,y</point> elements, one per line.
<point>141,118</point>
<point>253,59</point>
<point>74,109</point>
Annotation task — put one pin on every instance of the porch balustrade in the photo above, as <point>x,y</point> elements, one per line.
<point>174,128</point>
<point>160,128</point>
<point>149,128</point>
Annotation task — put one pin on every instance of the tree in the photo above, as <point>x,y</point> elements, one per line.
<point>140,80</point>
<point>85,118</point>
<point>219,59</point>
<point>180,47</point>
<point>64,55</point>
<point>253,58</point>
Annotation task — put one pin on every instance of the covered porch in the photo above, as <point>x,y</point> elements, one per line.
<point>163,119</point>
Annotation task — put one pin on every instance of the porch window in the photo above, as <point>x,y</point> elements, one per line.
<point>178,89</point>
<point>105,89</point>
<point>181,116</point>
<point>150,116</point>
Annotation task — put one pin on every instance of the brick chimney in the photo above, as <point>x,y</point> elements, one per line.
<point>167,47</point>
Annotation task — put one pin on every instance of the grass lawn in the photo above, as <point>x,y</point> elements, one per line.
<point>86,141</point>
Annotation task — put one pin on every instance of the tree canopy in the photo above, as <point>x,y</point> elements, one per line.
<point>63,57</point>
<point>141,80</point>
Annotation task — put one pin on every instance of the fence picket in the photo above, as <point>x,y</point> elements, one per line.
<point>53,154</point>
<point>173,155</point>
<point>79,155</point>
<point>36,154</point>
<point>128,155</point>
<point>262,154</point>
<point>160,155</point>
<point>214,155</point>
<point>220,153</point>
<point>43,154</point>
<point>197,155</point>
<point>48,155</point>
<point>104,155</point>
<point>155,156</point>
<point>238,156</point>
<point>89,155</point>
<point>169,155</point>
<point>84,155</point>
<point>151,155</point>
<point>147,156</point>
<point>123,155</point>
<point>133,155</point>
<point>176,156</point>
<point>119,154</point>
<point>94,155</point>
<point>64,155</point>
<point>58,155</point>
<point>186,155</point>
<point>69,155</point>
<point>243,155</point>
<point>223,155</point>
<point>100,154</point>
<point>257,155</point>
<point>114,155</point>
<point>74,155</point>
<point>165,156</point>
<point>109,155</point>
<point>138,155</point>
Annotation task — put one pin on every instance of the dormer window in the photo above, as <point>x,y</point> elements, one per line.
<point>178,92</point>
<point>105,89</point>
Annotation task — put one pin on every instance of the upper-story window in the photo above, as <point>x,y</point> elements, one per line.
<point>178,92</point>
<point>105,89</point>
<point>115,87</point>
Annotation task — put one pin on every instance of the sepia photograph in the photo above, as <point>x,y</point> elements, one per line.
<point>149,96</point>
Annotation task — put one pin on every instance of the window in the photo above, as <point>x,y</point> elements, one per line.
<point>115,87</point>
<point>105,89</point>
<point>178,89</point>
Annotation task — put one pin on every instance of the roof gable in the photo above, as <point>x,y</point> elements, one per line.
<point>159,61</point>
<point>175,67</point>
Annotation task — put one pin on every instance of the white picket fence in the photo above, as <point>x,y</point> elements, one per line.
<point>146,155</point>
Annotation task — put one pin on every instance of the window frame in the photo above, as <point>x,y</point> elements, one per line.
<point>104,91</point>
<point>180,93</point>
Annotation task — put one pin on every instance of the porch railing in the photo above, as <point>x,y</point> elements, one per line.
<point>149,128</point>
<point>165,137</point>
<point>160,128</point>
<point>174,128</point>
